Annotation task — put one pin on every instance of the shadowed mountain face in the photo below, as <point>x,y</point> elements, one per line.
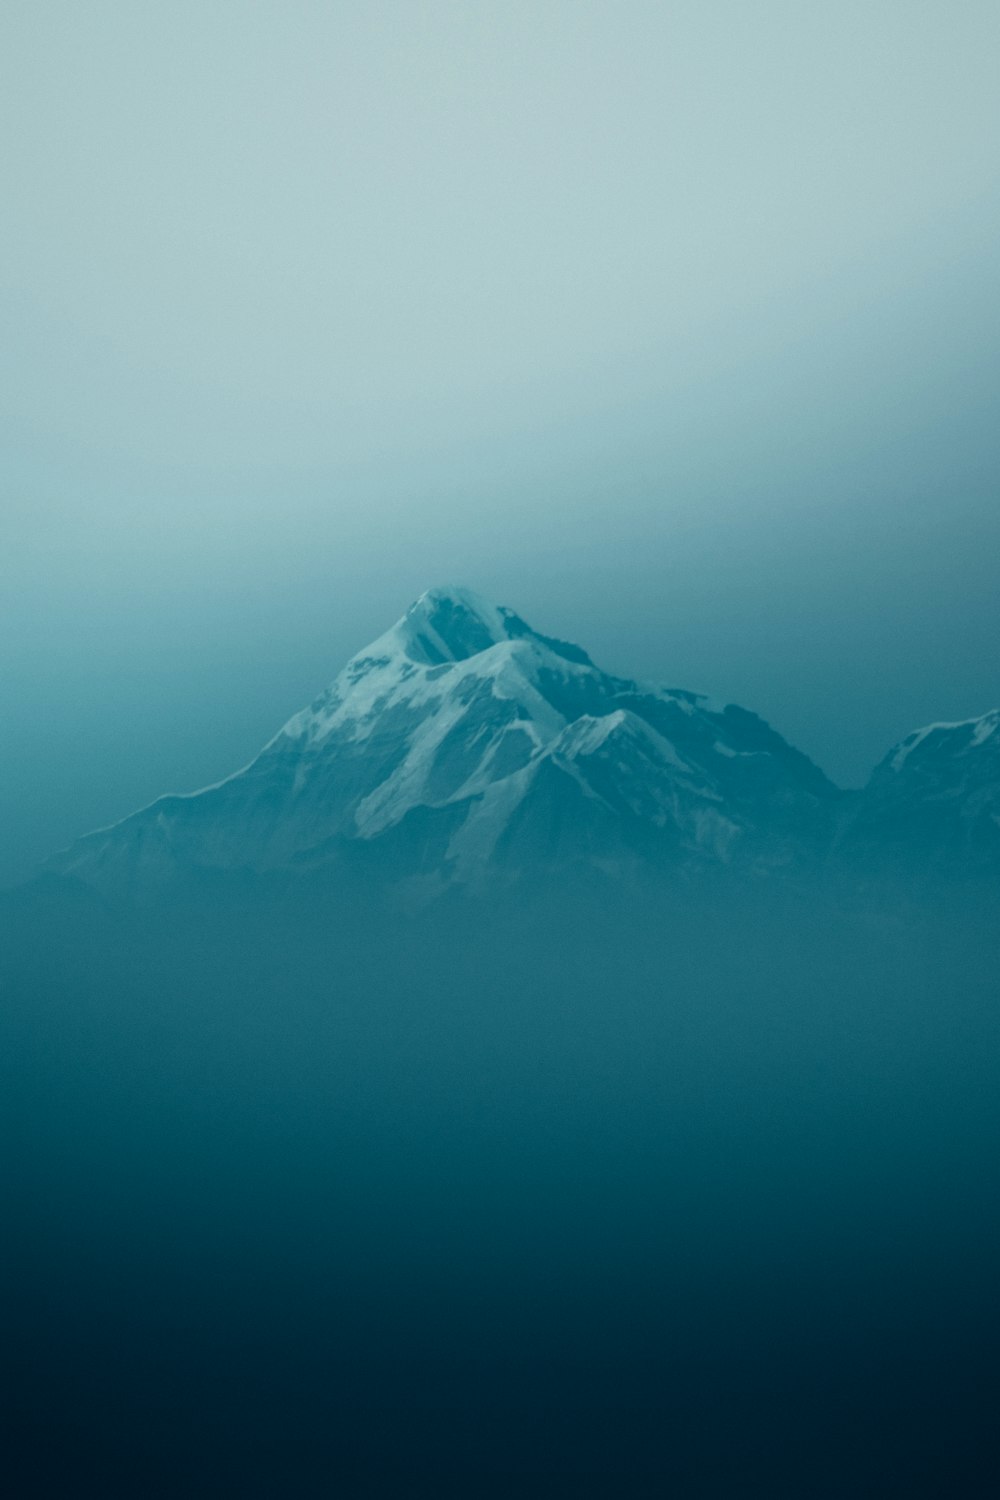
<point>463,748</point>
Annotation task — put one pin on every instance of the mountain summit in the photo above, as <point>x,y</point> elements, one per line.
<point>936,797</point>
<point>453,624</point>
<point>462,746</point>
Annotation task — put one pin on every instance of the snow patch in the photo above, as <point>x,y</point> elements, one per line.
<point>986,725</point>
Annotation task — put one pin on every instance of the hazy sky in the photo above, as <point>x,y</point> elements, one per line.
<point>675,326</point>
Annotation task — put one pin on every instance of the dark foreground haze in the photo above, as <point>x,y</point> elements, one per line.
<point>590,1193</point>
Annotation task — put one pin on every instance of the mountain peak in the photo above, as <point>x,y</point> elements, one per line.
<point>939,741</point>
<point>451,624</point>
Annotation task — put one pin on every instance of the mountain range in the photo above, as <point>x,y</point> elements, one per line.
<point>463,748</point>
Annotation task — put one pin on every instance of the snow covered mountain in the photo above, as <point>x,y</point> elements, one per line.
<point>464,747</point>
<point>935,796</point>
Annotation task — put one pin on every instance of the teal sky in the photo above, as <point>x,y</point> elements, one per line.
<point>675,326</point>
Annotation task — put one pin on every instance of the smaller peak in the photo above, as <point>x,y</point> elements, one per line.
<point>586,735</point>
<point>624,733</point>
<point>955,737</point>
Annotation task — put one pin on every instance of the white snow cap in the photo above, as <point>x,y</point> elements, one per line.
<point>982,728</point>
<point>454,624</point>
